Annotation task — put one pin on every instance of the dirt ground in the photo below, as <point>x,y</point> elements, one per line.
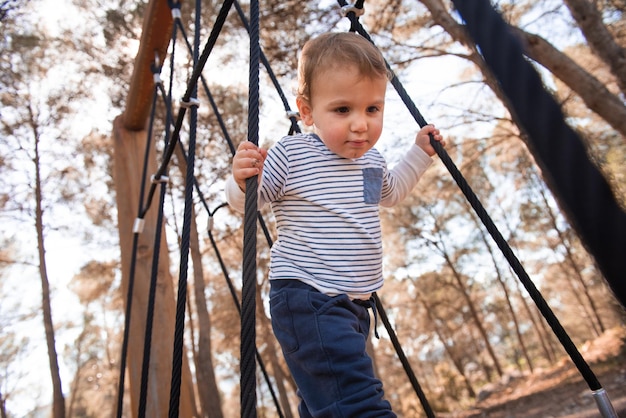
<point>560,391</point>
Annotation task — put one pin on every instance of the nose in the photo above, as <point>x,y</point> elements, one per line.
<point>359,123</point>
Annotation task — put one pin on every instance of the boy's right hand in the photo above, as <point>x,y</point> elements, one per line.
<point>247,162</point>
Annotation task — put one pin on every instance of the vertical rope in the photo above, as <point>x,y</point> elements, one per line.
<point>181,301</point>
<point>248,318</point>
<point>233,293</point>
<point>147,344</point>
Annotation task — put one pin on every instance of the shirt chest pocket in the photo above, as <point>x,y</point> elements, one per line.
<point>372,185</point>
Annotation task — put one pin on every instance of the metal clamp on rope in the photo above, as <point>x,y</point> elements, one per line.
<point>209,226</point>
<point>176,12</point>
<point>138,225</point>
<point>156,69</point>
<point>162,179</point>
<point>293,114</point>
<point>192,102</point>
<point>348,8</point>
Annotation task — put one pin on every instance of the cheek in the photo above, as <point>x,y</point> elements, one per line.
<point>377,127</point>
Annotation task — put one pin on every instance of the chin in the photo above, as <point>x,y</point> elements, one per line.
<point>355,154</point>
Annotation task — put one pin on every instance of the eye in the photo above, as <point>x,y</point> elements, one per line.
<point>373,109</point>
<point>342,109</point>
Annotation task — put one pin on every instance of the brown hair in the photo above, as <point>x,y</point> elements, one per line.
<point>332,50</point>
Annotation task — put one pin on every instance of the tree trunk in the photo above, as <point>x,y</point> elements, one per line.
<point>599,38</point>
<point>58,403</point>
<point>474,313</point>
<point>129,149</point>
<point>453,358</point>
<point>3,408</point>
<point>593,92</point>
<point>507,296</point>
<point>593,317</point>
<point>544,336</point>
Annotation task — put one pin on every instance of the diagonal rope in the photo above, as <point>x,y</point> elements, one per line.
<point>155,254</point>
<point>272,75</point>
<point>191,86</point>
<point>541,303</point>
<point>583,191</point>
<point>352,12</point>
<point>403,359</point>
<point>199,62</point>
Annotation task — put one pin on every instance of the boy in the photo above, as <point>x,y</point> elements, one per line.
<point>325,189</point>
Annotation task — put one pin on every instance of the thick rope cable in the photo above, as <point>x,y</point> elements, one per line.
<point>151,304</point>
<point>229,141</point>
<point>181,301</point>
<point>583,192</point>
<point>248,294</point>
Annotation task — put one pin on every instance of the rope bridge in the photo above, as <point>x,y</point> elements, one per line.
<point>583,193</point>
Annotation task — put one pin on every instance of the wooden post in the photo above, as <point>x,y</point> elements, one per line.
<point>129,149</point>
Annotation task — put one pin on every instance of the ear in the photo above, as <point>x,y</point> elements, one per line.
<point>305,110</point>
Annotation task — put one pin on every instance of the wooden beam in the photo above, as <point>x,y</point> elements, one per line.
<point>155,37</point>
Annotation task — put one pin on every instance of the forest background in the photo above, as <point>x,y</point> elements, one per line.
<point>463,319</point>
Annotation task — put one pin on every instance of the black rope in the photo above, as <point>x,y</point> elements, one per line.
<point>129,303</point>
<point>542,305</point>
<point>133,266</point>
<point>355,26</point>
<point>403,359</point>
<point>272,75</point>
<point>181,301</point>
<point>554,142</point>
<point>191,87</point>
<point>582,191</point>
<point>155,265</point>
<point>233,293</point>
<point>229,282</point>
<point>248,294</point>
<point>231,146</point>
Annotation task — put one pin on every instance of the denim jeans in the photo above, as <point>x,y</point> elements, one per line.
<point>323,340</point>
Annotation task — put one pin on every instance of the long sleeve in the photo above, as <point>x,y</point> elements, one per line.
<point>405,175</point>
<point>235,197</point>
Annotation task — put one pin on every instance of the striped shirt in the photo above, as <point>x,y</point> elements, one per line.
<point>327,212</point>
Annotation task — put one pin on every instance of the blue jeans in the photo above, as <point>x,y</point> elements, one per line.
<point>323,340</point>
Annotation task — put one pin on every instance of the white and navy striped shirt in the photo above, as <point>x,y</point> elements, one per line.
<point>326,210</point>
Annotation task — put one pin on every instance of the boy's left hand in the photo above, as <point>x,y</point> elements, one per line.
<point>422,139</point>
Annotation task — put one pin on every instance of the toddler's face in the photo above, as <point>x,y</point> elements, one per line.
<point>346,110</point>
